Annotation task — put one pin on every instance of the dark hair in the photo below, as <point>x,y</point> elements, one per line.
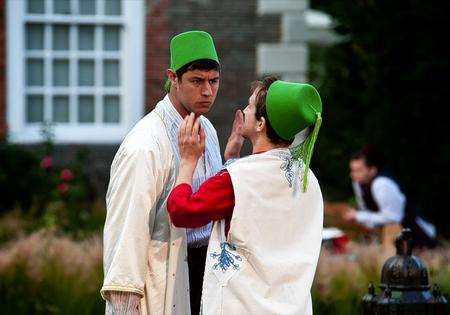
<point>201,64</point>
<point>371,156</point>
<point>263,87</point>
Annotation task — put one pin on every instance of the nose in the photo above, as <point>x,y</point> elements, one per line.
<point>207,89</point>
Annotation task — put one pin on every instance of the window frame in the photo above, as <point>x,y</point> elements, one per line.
<point>130,91</point>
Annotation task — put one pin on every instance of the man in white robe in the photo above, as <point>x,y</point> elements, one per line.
<point>145,256</point>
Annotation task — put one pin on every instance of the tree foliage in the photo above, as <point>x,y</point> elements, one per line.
<point>385,83</point>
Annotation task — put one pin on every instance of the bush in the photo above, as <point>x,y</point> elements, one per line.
<point>20,176</point>
<point>342,280</point>
<point>45,274</point>
<point>50,193</point>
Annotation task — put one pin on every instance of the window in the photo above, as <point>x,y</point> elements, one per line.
<point>70,67</point>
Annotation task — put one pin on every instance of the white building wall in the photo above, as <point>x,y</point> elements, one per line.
<point>300,26</point>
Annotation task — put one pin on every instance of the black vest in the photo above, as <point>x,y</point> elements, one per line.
<point>366,193</point>
<point>409,218</point>
<point>372,205</point>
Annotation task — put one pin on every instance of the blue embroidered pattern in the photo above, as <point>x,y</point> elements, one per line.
<point>226,259</point>
<point>287,165</point>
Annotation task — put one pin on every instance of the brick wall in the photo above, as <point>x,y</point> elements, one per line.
<point>156,50</point>
<point>236,29</point>
<point>2,69</point>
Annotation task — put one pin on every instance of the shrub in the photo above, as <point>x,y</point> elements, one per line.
<point>342,280</point>
<point>50,193</point>
<point>19,177</point>
<point>46,274</point>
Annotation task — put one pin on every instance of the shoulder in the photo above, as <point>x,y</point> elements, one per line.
<point>383,181</point>
<point>259,160</point>
<point>313,185</point>
<point>221,179</point>
<point>383,184</point>
<point>148,135</point>
<point>312,179</point>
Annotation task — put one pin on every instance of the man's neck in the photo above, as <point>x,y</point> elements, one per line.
<point>263,144</point>
<point>177,105</point>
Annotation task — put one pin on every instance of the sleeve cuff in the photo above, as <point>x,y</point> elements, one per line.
<point>364,218</point>
<point>121,289</point>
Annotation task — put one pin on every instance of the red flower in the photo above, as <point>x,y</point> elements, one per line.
<point>66,175</point>
<point>63,188</point>
<point>46,162</point>
<point>340,244</point>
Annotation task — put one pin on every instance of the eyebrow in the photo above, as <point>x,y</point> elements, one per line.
<point>203,79</point>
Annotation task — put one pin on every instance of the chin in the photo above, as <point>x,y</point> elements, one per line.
<point>201,111</point>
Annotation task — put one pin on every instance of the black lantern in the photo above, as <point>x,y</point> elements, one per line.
<point>404,285</point>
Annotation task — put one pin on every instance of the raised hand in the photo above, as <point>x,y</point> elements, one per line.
<point>235,140</point>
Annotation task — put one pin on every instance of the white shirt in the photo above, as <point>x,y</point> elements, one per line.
<point>389,198</point>
<point>391,204</point>
<point>209,164</point>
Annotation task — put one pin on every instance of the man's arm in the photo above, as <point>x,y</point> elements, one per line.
<point>390,201</point>
<point>136,182</point>
<point>189,210</point>
<point>214,200</point>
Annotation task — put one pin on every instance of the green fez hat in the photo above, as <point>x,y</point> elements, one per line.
<point>291,107</point>
<point>190,46</point>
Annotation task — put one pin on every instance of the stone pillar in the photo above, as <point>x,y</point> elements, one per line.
<point>299,27</point>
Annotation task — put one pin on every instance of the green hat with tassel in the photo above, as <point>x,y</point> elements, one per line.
<point>291,107</point>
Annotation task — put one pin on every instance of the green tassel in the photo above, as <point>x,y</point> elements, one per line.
<point>167,86</point>
<point>305,150</point>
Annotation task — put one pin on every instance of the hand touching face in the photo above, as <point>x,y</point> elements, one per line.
<point>191,140</point>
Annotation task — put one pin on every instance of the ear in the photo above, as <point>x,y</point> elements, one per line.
<point>172,76</point>
<point>261,125</point>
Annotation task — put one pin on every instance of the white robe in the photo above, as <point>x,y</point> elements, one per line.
<point>143,252</point>
<point>267,262</point>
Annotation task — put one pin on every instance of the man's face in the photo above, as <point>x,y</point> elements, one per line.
<point>250,121</point>
<point>360,172</point>
<point>197,90</point>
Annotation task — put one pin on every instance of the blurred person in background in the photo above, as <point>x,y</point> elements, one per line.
<point>146,257</point>
<point>380,200</point>
<point>267,207</point>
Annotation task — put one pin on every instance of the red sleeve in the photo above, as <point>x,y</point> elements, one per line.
<point>213,201</point>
